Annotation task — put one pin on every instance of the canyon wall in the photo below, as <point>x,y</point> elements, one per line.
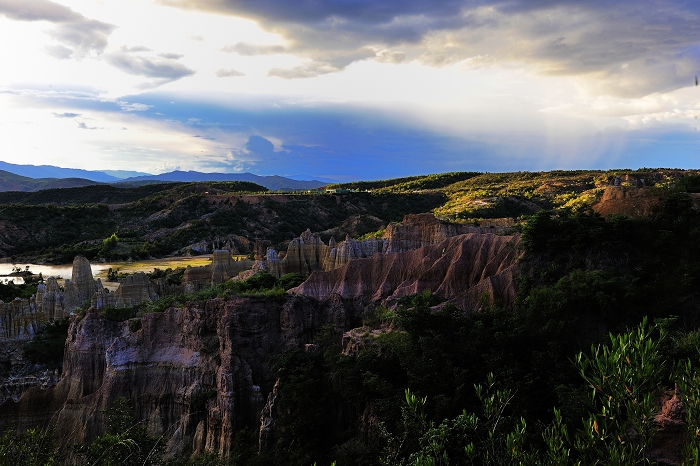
<point>309,253</point>
<point>463,270</point>
<point>628,200</point>
<point>197,374</point>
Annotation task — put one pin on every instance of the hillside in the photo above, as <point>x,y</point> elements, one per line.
<point>11,182</point>
<point>174,218</point>
<point>177,218</point>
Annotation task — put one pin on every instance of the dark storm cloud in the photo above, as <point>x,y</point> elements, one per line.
<point>77,35</point>
<point>622,47</point>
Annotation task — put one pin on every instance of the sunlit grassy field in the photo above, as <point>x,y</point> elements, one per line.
<point>150,265</point>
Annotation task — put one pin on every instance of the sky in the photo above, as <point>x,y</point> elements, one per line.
<point>350,89</point>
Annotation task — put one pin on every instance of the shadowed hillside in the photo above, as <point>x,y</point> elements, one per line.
<point>11,182</point>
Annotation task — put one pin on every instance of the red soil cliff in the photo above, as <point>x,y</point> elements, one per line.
<point>461,269</point>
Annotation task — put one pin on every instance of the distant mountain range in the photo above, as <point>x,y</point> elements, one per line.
<point>270,182</point>
<point>50,171</point>
<point>11,182</point>
<point>14,177</point>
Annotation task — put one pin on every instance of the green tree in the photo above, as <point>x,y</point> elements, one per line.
<point>623,377</point>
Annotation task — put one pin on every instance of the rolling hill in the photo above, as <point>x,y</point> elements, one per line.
<point>11,182</point>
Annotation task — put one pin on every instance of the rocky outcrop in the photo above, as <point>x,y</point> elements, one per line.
<point>350,249</point>
<point>197,278</point>
<point>308,252</point>
<point>82,286</point>
<point>133,290</point>
<point>417,231</point>
<point>50,300</point>
<point>629,201</point>
<point>234,243</point>
<point>13,387</point>
<point>197,374</point>
<point>222,268</point>
<point>19,320</point>
<point>463,270</point>
<point>672,430</point>
<point>304,254</point>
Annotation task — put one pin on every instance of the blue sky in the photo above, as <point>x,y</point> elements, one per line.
<point>349,89</point>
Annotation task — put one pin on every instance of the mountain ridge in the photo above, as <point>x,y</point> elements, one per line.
<point>273,182</point>
<point>36,177</point>
<point>13,182</point>
<point>51,171</point>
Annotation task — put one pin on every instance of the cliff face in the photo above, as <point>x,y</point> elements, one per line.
<point>462,269</point>
<point>197,374</point>
<point>309,253</point>
<point>417,231</point>
<point>304,254</point>
<point>627,200</point>
<point>222,268</point>
<point>133,290</point>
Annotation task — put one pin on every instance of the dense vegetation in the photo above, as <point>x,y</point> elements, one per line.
<point>117,194</point>
<point>584,277</point>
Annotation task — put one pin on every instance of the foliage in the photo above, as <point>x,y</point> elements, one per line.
<point>9,291</point>
<point>470,438</point>
<point>624,377</point>
<point>111,241</point>
<point>47,345</point>
<point>33,447</point>
<point>372,235</point>
<point>172,276</point>
<point>126,442</point>
<point>290,280</point>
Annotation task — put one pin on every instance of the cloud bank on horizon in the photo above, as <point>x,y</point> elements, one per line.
<point>349,90</point>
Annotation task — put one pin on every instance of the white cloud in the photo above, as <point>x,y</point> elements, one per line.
<point>161,70</point>
<point>228,73</point>
<point>134,107</point>
<point>251,50</point>
<point>78,36</point>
